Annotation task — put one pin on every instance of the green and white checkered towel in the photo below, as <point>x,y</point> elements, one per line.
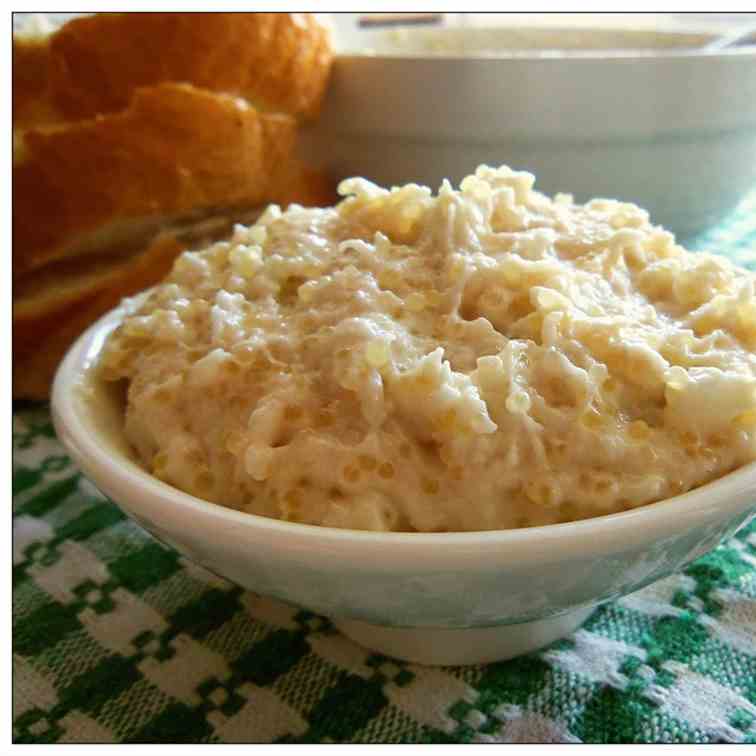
<point>117,638</point>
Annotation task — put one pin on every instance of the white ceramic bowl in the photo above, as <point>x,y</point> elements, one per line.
<point>673,130</point>
<point>451,598</point>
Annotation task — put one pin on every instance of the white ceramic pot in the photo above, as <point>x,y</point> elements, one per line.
<point>451,598</point>
<point>672,130</point>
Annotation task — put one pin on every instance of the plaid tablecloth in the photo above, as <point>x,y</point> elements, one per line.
<point>117,638</point>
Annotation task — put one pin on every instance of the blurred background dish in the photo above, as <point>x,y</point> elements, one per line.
<point>395,33</point>
<point>603,105</point>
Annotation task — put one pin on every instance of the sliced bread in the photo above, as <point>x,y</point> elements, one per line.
<point>85,186</point>
<point>94,64</point>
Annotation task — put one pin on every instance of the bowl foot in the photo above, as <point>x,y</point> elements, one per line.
<point>475,645</point>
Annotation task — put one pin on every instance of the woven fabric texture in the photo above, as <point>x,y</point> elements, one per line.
<point>117,638</point>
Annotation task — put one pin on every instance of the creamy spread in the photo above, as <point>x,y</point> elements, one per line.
<point>478,359</point>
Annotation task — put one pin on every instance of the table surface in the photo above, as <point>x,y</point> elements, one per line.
<point>118,638</point>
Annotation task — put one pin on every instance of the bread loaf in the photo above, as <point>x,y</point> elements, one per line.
<point>85,186</point>
<point>94,64</point>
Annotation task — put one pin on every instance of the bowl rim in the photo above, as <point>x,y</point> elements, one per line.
<point>550,57</point>
<point>67,404</point>
<point>658,30</point>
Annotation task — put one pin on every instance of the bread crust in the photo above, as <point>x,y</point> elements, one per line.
<point>277,61</point>
<point>174,149</point>
<point>30,80</point>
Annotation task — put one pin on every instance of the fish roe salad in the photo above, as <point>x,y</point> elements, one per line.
<point>476,359</point>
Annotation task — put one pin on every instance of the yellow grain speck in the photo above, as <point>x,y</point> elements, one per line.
<point>539,494</point>
<point>518,402</point>
<point>386,470</point>
<point>351,474</point>
<point>592,419</point>
<point>258,234</point>
<point>430,487</point>
<point>245,261</point>
<point>415,302</point>
<point>746,420</point>
<point>235,442</point>
<point>377,353</point>
<point>639,430</point>
<point>305,293</point>
<point>367,462</point>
